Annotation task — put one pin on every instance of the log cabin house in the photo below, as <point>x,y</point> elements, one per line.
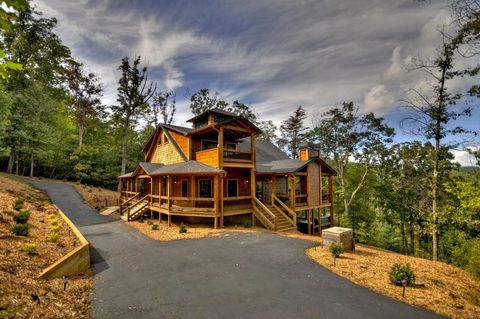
<point>219,170</point>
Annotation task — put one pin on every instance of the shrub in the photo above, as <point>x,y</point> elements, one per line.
<point>53,221</point>
<point>336,249</point>
<point>247,223</point>
<point>19,203</point>
<point>55,229</point>
<point>140,220</point>
<point>149,222</point>
<point>22,217</point>
<point>155,226</point>
<point>20,229</point>
<point>400,272</point>
<point>54,237</point>
<point>183,228</point>
<point>30,248</point>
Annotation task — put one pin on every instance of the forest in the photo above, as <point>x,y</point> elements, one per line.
<point>406,197</point>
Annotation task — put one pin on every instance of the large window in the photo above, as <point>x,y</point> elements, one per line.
<point>205,188</point>
<point>184,186</point>
<point>232,187</point>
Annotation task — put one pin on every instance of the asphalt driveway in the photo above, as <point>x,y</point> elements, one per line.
<point>257,275</point>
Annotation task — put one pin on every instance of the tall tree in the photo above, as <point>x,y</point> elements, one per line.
<point>85,91</point>
<point>292,131</point>
<point>433,109</point>
<point>348,138</point>
<point>163,107</point>
<point>203,101</point>
<point>134,92</point>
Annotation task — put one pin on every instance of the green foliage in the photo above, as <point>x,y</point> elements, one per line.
<point>22,217</point>
<point>30,248</point>
<point>155,226</point>
<point>54,221</point>
<point>149,222</point>
<point>335,249</point>
<point>18,204</point>
<point>20,229</point>
<point>247,223</point>
<point>183,228</point>
<point>399,272</point>
<point>293,132</point>
<point>54,236</point>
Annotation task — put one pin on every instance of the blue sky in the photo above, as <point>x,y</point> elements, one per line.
<point>272,55</point>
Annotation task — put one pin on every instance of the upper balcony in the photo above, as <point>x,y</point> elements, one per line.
<point>230,157</point>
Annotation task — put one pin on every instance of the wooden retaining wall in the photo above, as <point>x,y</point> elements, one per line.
<point>76,261</point>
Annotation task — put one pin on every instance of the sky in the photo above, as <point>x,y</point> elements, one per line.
<point>273,55</point>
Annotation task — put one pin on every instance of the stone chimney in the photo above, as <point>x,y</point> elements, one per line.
<point>307,151</point>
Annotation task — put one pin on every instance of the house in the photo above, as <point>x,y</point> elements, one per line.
<point>218,170</point>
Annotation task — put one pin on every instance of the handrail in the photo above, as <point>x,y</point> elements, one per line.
<point>266,210</point>
<point>122,205</point>
<point>135,204</point>
<point>288,209</point>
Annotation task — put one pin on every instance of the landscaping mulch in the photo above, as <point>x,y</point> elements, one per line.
<point>440,287</point>
<point>22,294</point>
<point>165,233</point>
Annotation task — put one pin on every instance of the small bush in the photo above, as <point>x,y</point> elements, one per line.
<point>20,229</point>
<point>400,272</point>
<point>22,217</point>
<point>30,248</point>
<point>19,203</point>
<point>247,223</point>
<point>140,220</point>
<point>183,228</point>
<point>55,229</point>
<point>54,237</point>
<point>53,221</point>
<point>155,226</point>
<point>149,222</point>
<point>335,249</point>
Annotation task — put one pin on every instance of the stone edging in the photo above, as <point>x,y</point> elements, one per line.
<point>76,261</point>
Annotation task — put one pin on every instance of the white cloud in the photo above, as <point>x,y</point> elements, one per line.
<point>464,158</point>
<point>378,100</point>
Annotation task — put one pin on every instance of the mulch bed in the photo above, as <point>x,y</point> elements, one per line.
<point>440,287</point>
<point>22,294</point>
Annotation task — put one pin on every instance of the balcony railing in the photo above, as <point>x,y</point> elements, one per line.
<point>237,156</point>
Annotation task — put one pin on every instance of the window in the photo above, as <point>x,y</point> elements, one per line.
<point>231,146</point>
<point>205,188</point>
<point>208,144</point>
<point>232,187</point>
<point>163,187</point>
<point>184,188</point>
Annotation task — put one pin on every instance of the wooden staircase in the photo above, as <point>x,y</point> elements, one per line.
<point>135,209</point>
<point>272,217</point>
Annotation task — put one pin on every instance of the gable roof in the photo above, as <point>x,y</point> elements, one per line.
<point>165,128</point>
<point>189,167</point>
<point>266,151</point>
<point>215,110</point>
<point>179,129</point>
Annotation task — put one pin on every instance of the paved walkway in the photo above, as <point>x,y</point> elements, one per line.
<point>257,275</point>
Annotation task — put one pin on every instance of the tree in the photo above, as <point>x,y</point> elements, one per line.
<point>162,107</point>
<point>346,138</point>
<point>292,131</point>
<point>85,94</point>
<point>432,111</point>
<point>202,101</point>
<point>134,92</point>
<point>6,19</point>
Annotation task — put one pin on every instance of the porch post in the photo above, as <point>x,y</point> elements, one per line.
<point>151,198</point>
<point>309,221</point>
<point>274,187</point>
<point>220,147</point>
<point>330,194</point>
<point>215,200</point>
<point>220,195</point>
<point>169,192</point>
<point>292,191</point>
<point>160,198</point>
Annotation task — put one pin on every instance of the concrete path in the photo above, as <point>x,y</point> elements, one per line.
<point>257,275</point>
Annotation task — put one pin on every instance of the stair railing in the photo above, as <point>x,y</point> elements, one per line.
<point>262,213</point>
<point>123,204</point>
<point>292,219</point>
<point>135,204</point>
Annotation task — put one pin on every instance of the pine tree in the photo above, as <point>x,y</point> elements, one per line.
<point>293,131</point>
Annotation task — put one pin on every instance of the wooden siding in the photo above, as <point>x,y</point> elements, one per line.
<point>182,142</point>
<point>209,157</point>
<point>243,177</point>
<point>166,154</point>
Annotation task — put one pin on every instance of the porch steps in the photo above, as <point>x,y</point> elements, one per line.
<point>136,211</point>
<point>282,223</point>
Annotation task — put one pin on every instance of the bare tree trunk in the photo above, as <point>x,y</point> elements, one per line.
<point>17,168</point>
<point>11,160</point>
<point>125,145</point>
<point>81,131</point>
<point>434,201</point>
<point>32,162</point>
